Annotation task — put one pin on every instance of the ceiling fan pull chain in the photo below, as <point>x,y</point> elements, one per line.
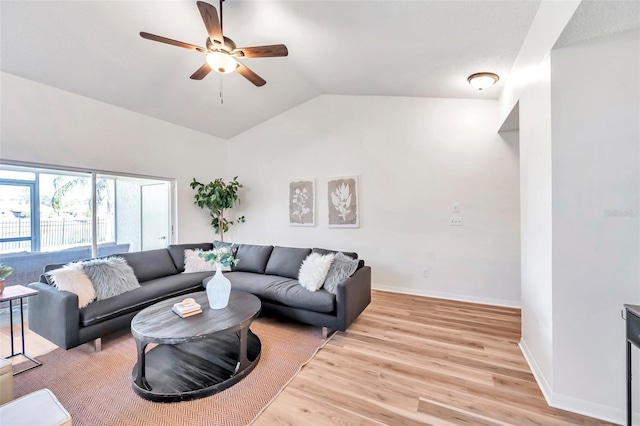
<point>221,98</point>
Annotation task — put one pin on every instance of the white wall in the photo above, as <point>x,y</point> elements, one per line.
<point>550,20</point>
<point>41,124</point>
<point>536,225</point>
<point>595,92</point>
<point>580,197</point>
<point>415,157</point>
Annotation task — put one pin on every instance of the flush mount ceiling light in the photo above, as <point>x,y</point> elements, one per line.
<point>483,80</point>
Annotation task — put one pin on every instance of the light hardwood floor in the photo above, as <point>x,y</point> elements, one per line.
<point>410,360</point>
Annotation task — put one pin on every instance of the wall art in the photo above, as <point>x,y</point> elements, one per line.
<point>302,194</point>
<point>342,197</point>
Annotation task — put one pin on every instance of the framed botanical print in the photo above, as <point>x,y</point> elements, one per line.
<point>302,194</point>
<point>342,198</point>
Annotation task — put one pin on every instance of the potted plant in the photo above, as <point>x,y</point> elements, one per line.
<point>5,271</point>
<point>218,196</point>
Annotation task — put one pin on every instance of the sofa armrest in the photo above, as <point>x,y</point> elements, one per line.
<point>353,296</point>
<point>54,315</point>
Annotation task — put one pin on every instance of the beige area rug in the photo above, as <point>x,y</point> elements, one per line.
<point>96,387</point>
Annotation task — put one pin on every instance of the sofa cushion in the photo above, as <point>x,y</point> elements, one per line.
<point>291,293</point>
<point>286,261</point>
<point>281,290</point>
<point>248,281</point>
<point>252,258</point>
<point>176,251</point>
<point>152,292</point>
<point>326,251</point>
<point>150,264</point>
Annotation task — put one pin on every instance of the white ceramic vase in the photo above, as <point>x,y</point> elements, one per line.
<point>218,289</point>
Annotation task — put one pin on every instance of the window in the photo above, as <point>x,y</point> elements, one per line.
<point>47,217</point>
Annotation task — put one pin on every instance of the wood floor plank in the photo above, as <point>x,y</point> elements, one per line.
<point>293,409</point>
<point>462,417</point>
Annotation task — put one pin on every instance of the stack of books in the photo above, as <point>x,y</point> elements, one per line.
<point>187,308</point>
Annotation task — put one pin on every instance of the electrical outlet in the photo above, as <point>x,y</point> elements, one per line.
<point>455,221</point>
<point>425,273</point>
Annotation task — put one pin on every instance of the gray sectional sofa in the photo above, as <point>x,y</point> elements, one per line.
<point>268,272</point>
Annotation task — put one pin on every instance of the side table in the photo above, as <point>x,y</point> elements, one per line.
<point>9,295</point>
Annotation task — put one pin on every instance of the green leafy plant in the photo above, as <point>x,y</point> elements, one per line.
<point>222,255</point>
<point>5,271</point>
<point>218,196</point>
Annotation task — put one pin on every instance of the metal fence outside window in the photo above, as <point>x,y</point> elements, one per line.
<point>54,233</point>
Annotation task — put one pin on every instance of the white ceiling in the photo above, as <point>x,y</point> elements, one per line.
<point>598,18</point>
<point>386,48</point>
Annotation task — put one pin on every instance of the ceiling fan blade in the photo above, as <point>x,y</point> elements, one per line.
<point>161,39</point>
<point>263,51</point>
<point>250,75</point>
<point>210,17</point>
<point>201,72</point>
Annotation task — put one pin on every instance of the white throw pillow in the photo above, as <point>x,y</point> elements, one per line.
<point>194,263</point>
<point>72,278</point>
<point>313,270</point>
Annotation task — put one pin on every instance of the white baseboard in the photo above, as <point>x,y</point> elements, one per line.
<point>537,373</point>
<point>569,403</point>
<point>592,409</point>
<point>448,296</point>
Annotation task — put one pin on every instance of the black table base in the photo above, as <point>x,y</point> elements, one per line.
<point>35,362</point>
<point>198,369</point>
<point>633,338</point>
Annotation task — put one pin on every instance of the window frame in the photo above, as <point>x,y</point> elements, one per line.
<point>39,168</point>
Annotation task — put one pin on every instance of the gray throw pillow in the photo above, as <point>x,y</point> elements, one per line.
<point>110,277</point>
<point>342,268</point>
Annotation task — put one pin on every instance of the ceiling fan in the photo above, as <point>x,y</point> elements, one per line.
<point>221,51</point>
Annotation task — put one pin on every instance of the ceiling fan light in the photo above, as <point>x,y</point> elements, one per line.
<point>483,80</point>
<point>221,62</point>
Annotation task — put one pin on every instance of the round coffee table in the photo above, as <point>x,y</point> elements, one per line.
<point>195,356</point>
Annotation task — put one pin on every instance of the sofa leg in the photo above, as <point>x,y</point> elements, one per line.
<point>326,331</point>
<point>97,344</point>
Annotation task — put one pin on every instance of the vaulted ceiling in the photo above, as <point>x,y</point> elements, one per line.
<point>379,48</point>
